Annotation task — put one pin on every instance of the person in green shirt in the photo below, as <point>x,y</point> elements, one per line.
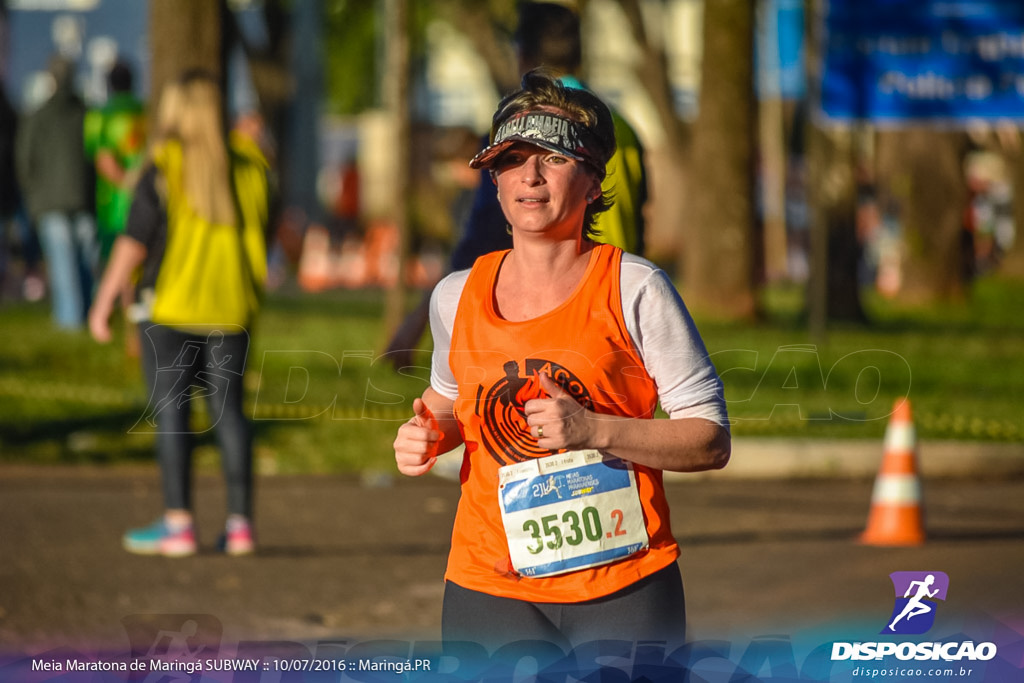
<point>115,138</point>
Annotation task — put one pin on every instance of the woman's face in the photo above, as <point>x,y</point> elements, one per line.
<point>542,191</point>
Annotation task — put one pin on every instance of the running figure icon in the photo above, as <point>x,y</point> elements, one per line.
<point>916,606</point>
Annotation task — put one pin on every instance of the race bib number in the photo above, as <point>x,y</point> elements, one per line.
<point>570,511</point>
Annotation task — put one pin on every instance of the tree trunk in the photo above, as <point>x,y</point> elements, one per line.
<point>718,263</point>
<point>831,159</point>
<point>396,97</point>
<point>833,289</point>
<point>298,156</point>
<point>1012,264</point>
<point>922,172</point>
<point>185,34</point>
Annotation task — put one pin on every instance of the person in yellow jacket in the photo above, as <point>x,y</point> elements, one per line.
<point>196,232</point>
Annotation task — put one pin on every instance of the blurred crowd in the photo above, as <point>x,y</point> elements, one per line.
<point>67,177</point>
<point>68,171</point>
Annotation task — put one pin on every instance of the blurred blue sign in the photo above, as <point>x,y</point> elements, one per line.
<point>900,61</point>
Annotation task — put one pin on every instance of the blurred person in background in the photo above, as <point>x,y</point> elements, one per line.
<point>550,359</point>
<point>137,297</point>
<point>547,35</point>
<point>116,142</point>
<point>197,230</point>
<point>56,184</point>
<point>16,235</point>
<point>115,139</point>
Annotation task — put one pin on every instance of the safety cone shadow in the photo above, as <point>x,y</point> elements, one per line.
<point>896,517</point>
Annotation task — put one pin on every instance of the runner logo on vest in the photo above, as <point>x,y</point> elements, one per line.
<point>502,408</point>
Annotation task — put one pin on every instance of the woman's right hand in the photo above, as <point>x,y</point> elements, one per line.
<point>127,255</point>
<point>99,321</point>
<point>417,442</point>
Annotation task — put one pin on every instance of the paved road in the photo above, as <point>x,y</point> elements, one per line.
<point>344,558</point>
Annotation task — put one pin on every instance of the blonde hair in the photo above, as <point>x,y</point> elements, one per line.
<point>206,166</point>
<point>168,114</point>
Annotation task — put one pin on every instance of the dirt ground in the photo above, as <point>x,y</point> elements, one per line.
<point>354,559</point>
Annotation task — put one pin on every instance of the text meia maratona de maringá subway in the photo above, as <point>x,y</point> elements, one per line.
<point>188,666</point>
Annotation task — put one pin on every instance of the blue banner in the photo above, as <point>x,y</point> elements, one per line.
<point>905,61</point>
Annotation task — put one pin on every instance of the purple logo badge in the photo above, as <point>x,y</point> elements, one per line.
<point>916,593</point>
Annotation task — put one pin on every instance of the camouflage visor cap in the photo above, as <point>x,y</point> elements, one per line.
<point>548,130</point>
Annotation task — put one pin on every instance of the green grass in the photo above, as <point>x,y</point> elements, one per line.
<point>959,364</point>
<point>323,400</point>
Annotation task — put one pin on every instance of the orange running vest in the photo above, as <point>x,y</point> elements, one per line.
<point>584,345</point>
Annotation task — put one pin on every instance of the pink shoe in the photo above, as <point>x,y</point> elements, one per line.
<point>238,537</point>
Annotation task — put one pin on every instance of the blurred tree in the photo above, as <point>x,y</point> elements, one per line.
<point>652,72</point>
<point>353,55</point>
<point>299,157</point>
<point>1013,260</point>
<point>719,221</point>
<point>713,159</point>
<point>356,49</point>
<point>921,171</point>
<point>666,162</point>
<point>833,290</point>
<point>918,171</point>
<point>397,76</point>
<point>185,34</point>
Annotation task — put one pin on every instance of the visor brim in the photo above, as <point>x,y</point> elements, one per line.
<point>489,156</point>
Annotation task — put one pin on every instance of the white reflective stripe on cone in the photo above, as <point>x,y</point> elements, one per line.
<point>901,436</point>
<point>897,488</point>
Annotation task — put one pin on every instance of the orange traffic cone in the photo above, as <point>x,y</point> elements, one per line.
<point>315,261</point>
<point>896,517</point>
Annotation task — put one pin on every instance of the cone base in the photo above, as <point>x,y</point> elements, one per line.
<point>894,526</point>
<point>890,542</point>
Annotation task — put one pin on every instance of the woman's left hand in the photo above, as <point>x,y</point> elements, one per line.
<point>679,445</point>
<point>559,421</point>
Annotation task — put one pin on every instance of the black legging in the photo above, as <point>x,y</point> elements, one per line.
<point>180,366</point>
<point>652,609</point>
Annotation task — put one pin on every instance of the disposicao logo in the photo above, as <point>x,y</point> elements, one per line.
<point>916,592</point>
<point>914,614</point>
